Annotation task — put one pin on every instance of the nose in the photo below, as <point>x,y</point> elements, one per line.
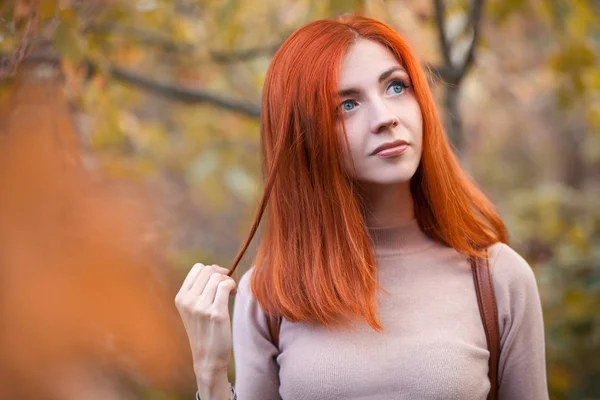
<point>383,118</point>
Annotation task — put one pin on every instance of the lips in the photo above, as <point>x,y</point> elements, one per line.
<point>390,145</point>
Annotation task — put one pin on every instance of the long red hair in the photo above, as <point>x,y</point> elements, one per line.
<point>315,262</point>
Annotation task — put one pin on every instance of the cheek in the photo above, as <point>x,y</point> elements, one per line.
<point>419,134</point>
<point>414,119</point>
<point>352,144</point>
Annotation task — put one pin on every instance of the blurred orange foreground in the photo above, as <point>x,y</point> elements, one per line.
<point>86,303</point>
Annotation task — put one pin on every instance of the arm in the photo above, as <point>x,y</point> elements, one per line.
<point>214,387</point>
<point>522,366</point>
<point>257,371</point>
<point>202,303</point>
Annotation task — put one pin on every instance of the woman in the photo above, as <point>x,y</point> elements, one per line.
<point>371,222</point>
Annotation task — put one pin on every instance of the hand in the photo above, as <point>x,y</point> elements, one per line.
<point>202,303</point>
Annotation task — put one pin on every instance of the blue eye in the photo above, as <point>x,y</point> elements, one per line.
<point>397,87</point>
<point>348,105</point>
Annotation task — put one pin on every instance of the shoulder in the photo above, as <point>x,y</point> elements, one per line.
<point>520,316</point>
<point>509,269</point>
<point>246,306</point>
<point>244,287</point>
<point>515,285</point>
<point>244,283</point>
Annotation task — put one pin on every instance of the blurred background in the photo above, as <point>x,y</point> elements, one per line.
<point>129,150</point>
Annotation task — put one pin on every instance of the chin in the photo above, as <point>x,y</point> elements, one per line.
<point>396,179</point>
<point>386,182</point>
<point>388,176</point>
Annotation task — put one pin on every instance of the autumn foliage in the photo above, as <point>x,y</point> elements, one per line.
<point>86,300</point>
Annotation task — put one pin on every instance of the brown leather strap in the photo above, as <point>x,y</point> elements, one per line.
<point>486,299</point>
<point>274,323</point>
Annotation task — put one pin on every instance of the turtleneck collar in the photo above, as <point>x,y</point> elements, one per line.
<point>398,239</point>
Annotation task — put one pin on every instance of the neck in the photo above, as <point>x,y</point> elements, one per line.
<point>387,205</point>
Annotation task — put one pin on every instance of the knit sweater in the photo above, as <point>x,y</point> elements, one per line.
<point>433,343</point>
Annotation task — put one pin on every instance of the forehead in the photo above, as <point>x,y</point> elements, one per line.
<point>364,61</point>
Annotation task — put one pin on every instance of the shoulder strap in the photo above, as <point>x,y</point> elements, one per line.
<point>488,309</point>
<point>274,324</point>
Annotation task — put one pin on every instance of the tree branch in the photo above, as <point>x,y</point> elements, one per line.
<point>440,17</point>
<point>183,94</point>
<point>142,36</point>
<point>446,73</point>
<point>474,23</point>
<point>178,93</point>
<point>449,72</point>
<point>453,74</point>
<point>222,57</point>
<point>167,44</point>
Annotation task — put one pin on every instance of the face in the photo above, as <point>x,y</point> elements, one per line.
<point>383,120</point>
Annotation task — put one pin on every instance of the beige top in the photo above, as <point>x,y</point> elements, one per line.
<point>433,345</point>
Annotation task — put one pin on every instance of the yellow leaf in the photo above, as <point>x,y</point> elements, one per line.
<point>500,10</point>
<point>338,7</point>
<point>593,79</point>
<point>47,9</point>
<point>575,304</point>
<point>577,237</point>
<point>67,15</point>
<point>593,114</point>
<point>67,43</point>
<point>575,56</point>
<point>561,379</point>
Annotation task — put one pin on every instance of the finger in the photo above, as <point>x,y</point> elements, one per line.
<point>217,268</point>
<point>220,269</point>
<point>191,277</point>
<point>208,294</point>
<point>201,280</point>
<point>224,289</point>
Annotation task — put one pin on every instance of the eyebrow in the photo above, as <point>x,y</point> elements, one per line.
<point>382,77</point>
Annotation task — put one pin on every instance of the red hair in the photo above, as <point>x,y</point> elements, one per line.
<point>315,260</point>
